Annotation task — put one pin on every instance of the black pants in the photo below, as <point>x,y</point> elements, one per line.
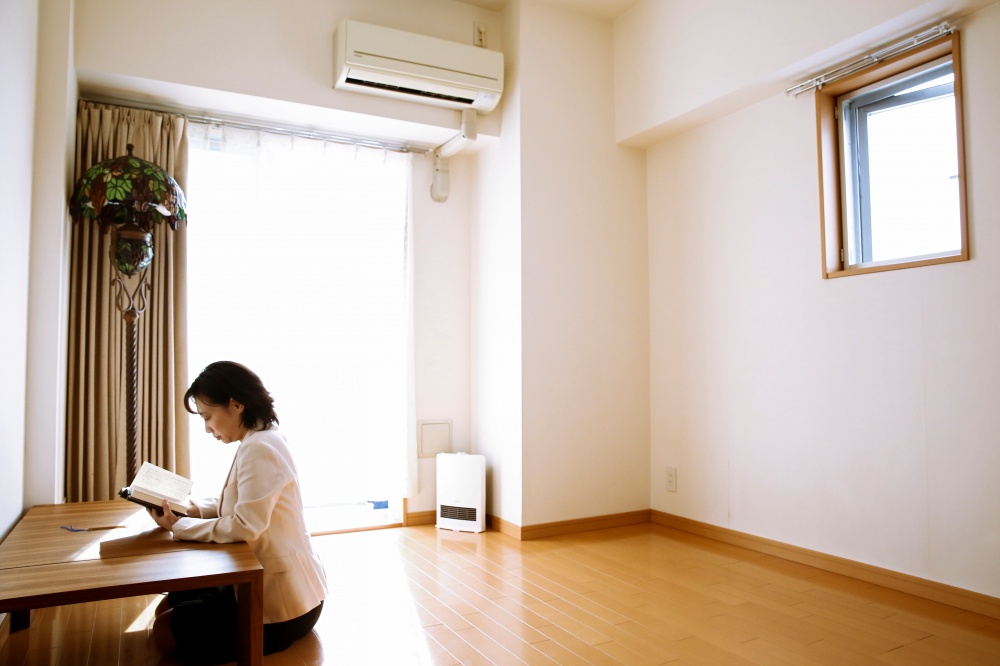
<point>204,625</point>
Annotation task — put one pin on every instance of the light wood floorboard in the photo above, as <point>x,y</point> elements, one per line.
<point>643,594</point>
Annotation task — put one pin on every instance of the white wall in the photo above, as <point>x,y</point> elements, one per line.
<point>442,302</point>
<point>52,183</point>
<point>496,295</point>
<point>255,47</point>
<point>855,416</point>
<point>680,63</point>
<point>585,360</point>
<point>260,58</point>
<point>18,46</point>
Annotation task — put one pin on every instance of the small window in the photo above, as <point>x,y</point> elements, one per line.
<point>891,160</point>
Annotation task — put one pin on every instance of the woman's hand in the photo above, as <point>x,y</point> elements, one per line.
<point>165,518</point>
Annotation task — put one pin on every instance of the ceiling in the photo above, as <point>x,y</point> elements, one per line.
<point>606,9</point>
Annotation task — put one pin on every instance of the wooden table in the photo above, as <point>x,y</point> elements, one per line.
<point>43,565</point>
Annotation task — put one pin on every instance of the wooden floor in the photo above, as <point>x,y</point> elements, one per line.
<point>644,594</point>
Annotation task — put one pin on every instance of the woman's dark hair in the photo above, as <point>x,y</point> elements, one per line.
<point>222,381</point>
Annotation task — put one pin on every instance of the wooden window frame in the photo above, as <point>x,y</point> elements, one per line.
<point>828,131</point>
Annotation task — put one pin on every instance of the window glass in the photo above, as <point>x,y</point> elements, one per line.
<point>901,161</point>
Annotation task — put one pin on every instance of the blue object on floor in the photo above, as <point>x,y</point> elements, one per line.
<point>379,505</point>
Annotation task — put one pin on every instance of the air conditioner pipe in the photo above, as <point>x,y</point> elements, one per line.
<point>440,181</point>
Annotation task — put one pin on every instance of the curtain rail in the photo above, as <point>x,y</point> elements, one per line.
<point>305,134</point>
<point>871,59</point>
<point>286,130</point>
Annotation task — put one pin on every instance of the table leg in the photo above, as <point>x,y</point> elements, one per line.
<point>250,600</point>
<point>20,620</point>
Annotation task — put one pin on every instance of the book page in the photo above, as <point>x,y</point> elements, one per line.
<point>161,482</point>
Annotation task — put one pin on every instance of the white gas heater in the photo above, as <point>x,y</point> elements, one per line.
<point>461,492</point>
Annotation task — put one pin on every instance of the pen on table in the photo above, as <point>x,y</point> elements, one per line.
<point>70,528</point>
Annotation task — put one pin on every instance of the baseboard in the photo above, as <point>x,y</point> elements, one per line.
<point>419,518</point>
<point>894,580</point>
<point>503,526</point>
<point>542,530</point>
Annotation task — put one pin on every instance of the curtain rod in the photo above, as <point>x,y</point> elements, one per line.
<point>305,134</point>
<point>871,59</point>
<point>286,130</point>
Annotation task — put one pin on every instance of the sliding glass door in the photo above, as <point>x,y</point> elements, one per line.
<point>298,269</point>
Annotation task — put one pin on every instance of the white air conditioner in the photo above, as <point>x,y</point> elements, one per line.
<point>461,492</point>
<point>383,61</point>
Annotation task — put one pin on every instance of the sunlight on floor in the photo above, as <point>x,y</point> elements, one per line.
<point>144,615</point>
<point>370,615</point>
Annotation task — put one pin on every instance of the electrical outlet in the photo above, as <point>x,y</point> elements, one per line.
<point>479,34</point>
<point>672,479</point>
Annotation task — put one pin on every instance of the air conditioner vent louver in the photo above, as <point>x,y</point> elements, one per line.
<point>410,91</point>
<point>458,513</point>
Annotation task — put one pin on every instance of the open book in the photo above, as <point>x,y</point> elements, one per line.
<point>154,484</point>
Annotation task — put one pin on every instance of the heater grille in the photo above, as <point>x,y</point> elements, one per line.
<point>459,513</point>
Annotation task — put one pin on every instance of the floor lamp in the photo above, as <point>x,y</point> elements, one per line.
<point>128,196</point>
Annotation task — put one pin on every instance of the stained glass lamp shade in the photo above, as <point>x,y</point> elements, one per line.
<point>128,195</point>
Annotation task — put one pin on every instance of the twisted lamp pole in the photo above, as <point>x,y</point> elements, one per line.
<point>129,196</point>
<point>131,306</point>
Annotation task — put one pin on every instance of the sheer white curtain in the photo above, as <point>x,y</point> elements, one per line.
<point>298,266</point>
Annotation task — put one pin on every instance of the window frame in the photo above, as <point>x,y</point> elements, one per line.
<point>832,214</point>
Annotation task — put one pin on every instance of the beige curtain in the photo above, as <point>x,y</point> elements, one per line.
<point>96,416</point>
